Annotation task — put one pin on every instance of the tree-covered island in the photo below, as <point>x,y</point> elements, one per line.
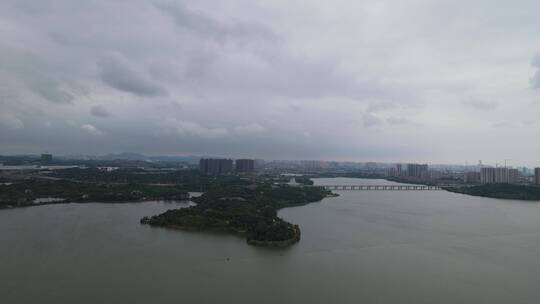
<point>247,210</point>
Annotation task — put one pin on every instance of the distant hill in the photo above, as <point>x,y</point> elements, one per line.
<point>132,156</point>
<point>125,156</point>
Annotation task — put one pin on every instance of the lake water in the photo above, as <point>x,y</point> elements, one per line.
<point>361,247</point>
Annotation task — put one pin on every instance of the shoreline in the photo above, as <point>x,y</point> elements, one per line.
<point>65,202</point>
<point>273,244</point>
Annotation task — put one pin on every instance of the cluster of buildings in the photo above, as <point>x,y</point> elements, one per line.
<point>417,171</point>
<point>472,177</point>
<point>220,166</point>
<point>46,158</point>
<point>500,175</point>
<point>480,175</point>
<point>413,171</point>
<point>468,174</point>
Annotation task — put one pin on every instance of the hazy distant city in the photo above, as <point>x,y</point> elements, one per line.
<point>421,173</point>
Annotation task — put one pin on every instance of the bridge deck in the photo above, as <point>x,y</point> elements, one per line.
<point>379,187</point>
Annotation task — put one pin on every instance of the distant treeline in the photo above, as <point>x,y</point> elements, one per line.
<point>189,180</point>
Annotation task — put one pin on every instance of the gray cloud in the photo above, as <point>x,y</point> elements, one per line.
<point>535,80</point>
<point>249,129</point>
<point>232,31</point>
<point>50,90</point>
<point>36,75</point>
<point>399,121</point>
<point>189,128</point>
<point>370,120</point>
<point>10,121</point>
<point>504,124</point>
<point>121,75</point>
<point>99,111</point>
<point>480,105</point>
<point>91,129</point>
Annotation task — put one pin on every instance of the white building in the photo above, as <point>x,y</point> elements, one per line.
<point>499,176</point>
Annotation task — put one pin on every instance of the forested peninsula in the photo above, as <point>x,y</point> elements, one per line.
<point>246,210</point>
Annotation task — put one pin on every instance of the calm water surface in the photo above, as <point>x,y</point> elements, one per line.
<point>361,247</point>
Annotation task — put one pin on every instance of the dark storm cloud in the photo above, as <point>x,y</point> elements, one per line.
<point>117,73</point>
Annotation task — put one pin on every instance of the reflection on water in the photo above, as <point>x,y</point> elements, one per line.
<point>360,247</point>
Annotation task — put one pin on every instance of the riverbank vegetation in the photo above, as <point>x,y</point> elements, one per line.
<point>250,211</point>
<point>40,191</point>
<point>504,191</point>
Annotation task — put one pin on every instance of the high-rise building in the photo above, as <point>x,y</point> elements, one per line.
<point>537,176</point>
<point>245,165</point>
<point>391,172</point>
<point>487,175</point>
<point>213,166</point>
<point>417,170</point>
<point>471,177</point>
<point>394,171</point>
<point>499,176</point>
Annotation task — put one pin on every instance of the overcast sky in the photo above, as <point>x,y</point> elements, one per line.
<point>418,80</point>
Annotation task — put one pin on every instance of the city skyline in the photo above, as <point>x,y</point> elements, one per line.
<point>135,155</point>
<point>195,157</point>
<point>347,81</point>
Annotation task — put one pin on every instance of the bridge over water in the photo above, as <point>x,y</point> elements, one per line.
<point>379,187</point>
